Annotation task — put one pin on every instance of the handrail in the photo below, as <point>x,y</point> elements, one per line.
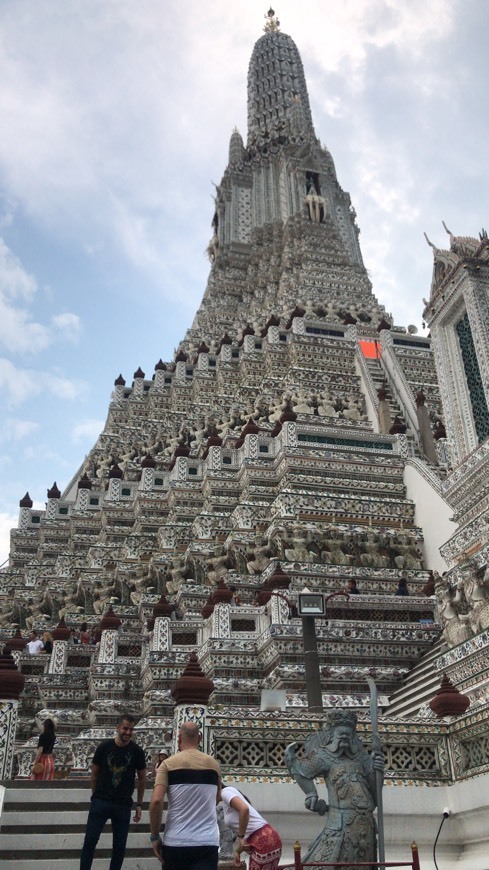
<point>375,865</point>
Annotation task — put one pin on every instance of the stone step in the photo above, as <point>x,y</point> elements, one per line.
<point>419,686</point>
<point>75,783</point>
<point>416,690</point>
<point>101,861</point>
<point>43,825</point>
<point>18,821</point>
<point>53,841</point>
<point>423,669</point>
<point>379,380</point>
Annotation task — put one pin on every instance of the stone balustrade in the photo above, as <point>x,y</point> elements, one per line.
<point>250,744</point>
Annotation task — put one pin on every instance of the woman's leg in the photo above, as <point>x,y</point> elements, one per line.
<point>48,772</point>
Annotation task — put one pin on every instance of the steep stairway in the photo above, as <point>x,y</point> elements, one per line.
<point>42,825</point>
<point>379,380</point>
<point>419,686</point>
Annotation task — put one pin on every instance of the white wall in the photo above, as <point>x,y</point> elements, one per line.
<point>410,813</point>
<point>432,514</point>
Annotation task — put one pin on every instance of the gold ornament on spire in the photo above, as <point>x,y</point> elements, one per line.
<point>273,24</point>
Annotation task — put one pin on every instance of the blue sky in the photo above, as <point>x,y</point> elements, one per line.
<point>116,117</point>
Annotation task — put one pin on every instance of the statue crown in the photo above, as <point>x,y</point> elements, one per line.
<point>343,717</point>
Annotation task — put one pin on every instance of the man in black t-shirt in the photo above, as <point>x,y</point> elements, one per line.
<point>114,767</point>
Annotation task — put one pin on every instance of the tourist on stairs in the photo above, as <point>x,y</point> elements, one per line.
<point>43,767</point>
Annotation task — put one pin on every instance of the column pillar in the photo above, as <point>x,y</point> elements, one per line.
<point>191,693</point>
<point>311,664</point>
<point>11,685</point>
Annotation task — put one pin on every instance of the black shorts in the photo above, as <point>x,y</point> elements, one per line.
<point>190,857</point>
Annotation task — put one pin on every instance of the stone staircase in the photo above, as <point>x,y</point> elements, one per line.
<point>420,685</point>
<point>42,825</point>
<point>379,380</point>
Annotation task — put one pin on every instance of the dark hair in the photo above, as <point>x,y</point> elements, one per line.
<point>225,785</point>
<point>125,717</point>
<point>83,626</point>
<point>402,581</point>
<point>49,725</point>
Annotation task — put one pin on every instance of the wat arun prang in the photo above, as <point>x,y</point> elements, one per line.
<point>299,437</point>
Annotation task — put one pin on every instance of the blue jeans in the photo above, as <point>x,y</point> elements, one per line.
<point>100,812</point>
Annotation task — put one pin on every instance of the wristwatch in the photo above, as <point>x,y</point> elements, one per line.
<point>154,838</point>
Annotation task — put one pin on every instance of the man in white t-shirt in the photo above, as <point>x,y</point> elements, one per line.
<point>191,780</point>
<point>35,645</point>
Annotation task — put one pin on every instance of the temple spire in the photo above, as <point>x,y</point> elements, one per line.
<point>277,90</point>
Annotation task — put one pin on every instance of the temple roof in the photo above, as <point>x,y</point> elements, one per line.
<point>446,261</point>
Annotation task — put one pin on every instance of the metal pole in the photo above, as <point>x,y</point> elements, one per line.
<point>415,856</point>
<point>379,776</point>
<point>297,856</point>
<point>311,662</point>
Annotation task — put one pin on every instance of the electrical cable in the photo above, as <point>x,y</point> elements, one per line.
<point>445,816</point>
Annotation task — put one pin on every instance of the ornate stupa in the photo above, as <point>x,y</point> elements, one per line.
<point>285,445</point>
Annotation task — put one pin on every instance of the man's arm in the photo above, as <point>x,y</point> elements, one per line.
<point>155,817</point>
<point>94,777</point>
<point>141,789</point>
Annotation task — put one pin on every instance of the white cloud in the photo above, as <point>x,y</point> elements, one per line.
<point>68,325</point>
<point>20,333</point>
<point>104,143</point>
<point>115,122</point>
<point>15,281</point>
<point>354,29</point>
<point>8,521</point>
<point>387,179</point>
<point>14,429</point>
<point>18,385</point>
<point>62,388</point>
<point>7,211</point>
<point>87,430</point>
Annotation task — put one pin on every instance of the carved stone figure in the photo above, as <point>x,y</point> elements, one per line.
<point>325,406</point>
<point>336,753</point>
<point>315,204</point>
<point>455,624</point>
<point>476,588</point>
<point>302,403</point>
<point>226,836</point>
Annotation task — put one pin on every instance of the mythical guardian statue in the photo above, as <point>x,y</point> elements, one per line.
<point>336,753</point>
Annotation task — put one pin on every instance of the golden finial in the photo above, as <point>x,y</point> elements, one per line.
<point>273,24</point>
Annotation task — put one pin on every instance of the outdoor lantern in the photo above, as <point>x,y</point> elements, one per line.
<point>311,604</point>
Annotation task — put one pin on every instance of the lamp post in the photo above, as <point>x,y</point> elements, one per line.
<point>312,605</point>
